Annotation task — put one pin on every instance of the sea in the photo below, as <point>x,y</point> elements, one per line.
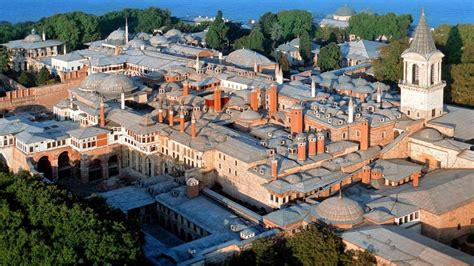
<point>437,11</point>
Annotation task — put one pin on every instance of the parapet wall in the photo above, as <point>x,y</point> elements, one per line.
<point>46,96</point>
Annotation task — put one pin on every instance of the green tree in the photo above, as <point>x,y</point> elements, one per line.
<point>3,60</point>
<point>267,21</point>
<point>43,225</point>
<point>216,36</point>
<point>316,245</point>
<point>152,18</point>
<point>305,46</point>
<point>254,41</point>
<point>294,22</point>
<point>389,66</point>
<point>460,85</point>
<point>329,57</point>
<point>43,77</point>
<point>26,79</point>
<point>371,26</point>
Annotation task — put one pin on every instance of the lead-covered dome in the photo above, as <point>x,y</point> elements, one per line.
<point>114,85</point>
<point>339,210</point>
<point>430,134</point>
<point>93,81</point>
<point>250,115</point>
<point>33,37</point>
<point>108,85</point>
<point>247,58</point>
<point>345,11</point>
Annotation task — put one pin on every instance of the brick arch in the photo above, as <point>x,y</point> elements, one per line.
<point>43,165</point>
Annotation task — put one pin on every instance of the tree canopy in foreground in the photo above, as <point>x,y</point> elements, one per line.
<point>41,224</point>
<point>315,245</point>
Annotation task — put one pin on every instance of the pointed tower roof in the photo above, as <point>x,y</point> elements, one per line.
<point>423,43</point>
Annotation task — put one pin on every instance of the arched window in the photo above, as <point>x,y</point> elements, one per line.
<point>415,78</point>
<point>433,74</point>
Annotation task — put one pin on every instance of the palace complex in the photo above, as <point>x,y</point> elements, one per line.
<point>197,130</point>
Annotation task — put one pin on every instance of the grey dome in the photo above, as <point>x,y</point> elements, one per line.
<point>114,85</point>
<point>328,75</point>
<point>364,89</point>
<point>173,32</point>
<point>143,36</point>
<point>116,35</point>
<point>249,115</point>
<point>246,58</point>
<point>316,78</point>
<point>339,210</point>
<point>345,11</point>
<point>33,37</point>
<point>136,43</point>
<point>360,82</point>
<point>345,86</point>
<point>158,40</point>
<point>93,81</point>
<point>329,83</point>
<point>344,79</point>
<point>430,134</point>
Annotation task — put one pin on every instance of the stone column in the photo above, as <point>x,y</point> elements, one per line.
<point>84,169</point>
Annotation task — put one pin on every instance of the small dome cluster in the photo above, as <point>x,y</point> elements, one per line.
<point>108,85</point>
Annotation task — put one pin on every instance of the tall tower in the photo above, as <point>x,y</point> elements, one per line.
<point>422,87</point>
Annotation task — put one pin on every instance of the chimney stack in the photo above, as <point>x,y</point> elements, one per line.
<point>302,149</point>
<point>102,113</point>
<point>192,188</point>
<point>312,150</point>
<point>273,99</point>
<point>254,100</point>
<point>274,169</point>
<point>320,144</point>
<point>44,36</point>
<point>364,135</point>
<point>296,119</point>
<point>313,88</point>
<point>65,49</point>
<point>181,120</point>
<point>366,172</point>
<point>217,100</point>
<point>171,117</point>
<point>193,127</point>
<point>416,180</point>
<point>160,115</point>
<point>185,88</point>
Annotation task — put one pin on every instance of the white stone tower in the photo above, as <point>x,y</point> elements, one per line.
<point>422,87</point>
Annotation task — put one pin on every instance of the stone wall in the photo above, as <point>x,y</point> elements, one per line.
<point>450,225</point>
<point>46,96</point>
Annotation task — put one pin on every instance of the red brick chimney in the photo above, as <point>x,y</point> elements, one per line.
<point>160,115</point>
<point>102,113</point>
<point>185,88</point>
<point>193,127</point>
<point>274,169</point>
<point>312,145</point>
<point>320,145</point>
<point>217,100</point>
<point>296,119</point>
<point>416,180</point>
<point>171,117</point>
<point>302,151</point>
<point>364,135</point>
<point>366,174</point>
<point>254,100</point>
<point>273,99</point>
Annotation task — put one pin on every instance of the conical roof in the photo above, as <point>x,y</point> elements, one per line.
<point>423,42</point>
